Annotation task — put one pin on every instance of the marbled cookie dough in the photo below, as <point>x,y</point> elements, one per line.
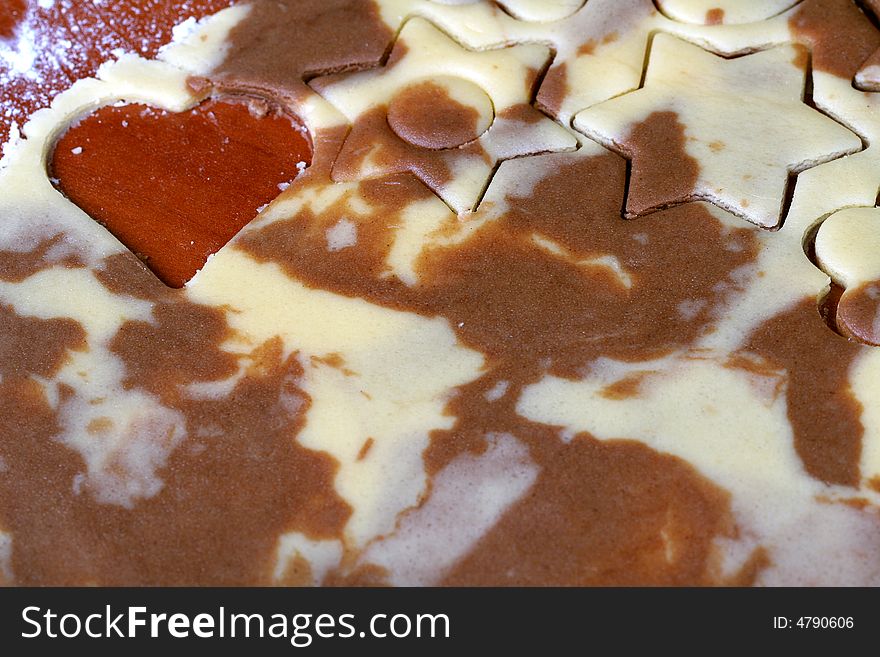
<point>549,307</point>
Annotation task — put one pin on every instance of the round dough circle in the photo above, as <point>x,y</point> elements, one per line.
<point>441,112</point>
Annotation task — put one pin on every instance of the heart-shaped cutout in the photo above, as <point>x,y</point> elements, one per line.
<point>176,187</point>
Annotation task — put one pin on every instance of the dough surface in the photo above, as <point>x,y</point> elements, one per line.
<point>571,293</point>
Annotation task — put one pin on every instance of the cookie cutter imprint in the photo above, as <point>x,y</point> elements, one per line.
<point>495,85</point>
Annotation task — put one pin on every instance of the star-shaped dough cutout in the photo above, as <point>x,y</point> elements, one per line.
<point>447,114</point>
<point>744,126</point>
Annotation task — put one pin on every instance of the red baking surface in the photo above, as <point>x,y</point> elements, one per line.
<point>46,45</point>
